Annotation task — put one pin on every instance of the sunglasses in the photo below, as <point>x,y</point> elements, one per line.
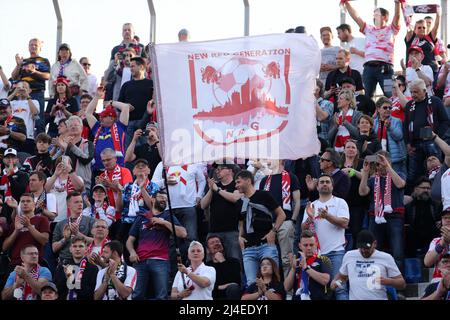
<point>386,108</point>
<point>86,64</point>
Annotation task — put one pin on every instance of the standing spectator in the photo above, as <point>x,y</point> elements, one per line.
<point>422,111</point>
<point>45,203</point>
<point>398,98</point>
<point>368,271</point>
<point>367,140</point>
<point>84,102</point>
<point>268,285</point>
<point>41,161</point>
<point>285,189</point>
<point>13,182</point>
<point>27,229</point>
<point>344,124</point>
<point>91,78</point>
<point>61,106</point>
<point>100,208</point>
<point>440,290</point>
<point>183,35</point>
<point>71,69</point>
<point>27,109</point>
<point>328,53</point>
<point>35,70</point>
<point>137,92</point>
<point>444,82</point>
<point>118,280</point>
<point>417,70</point>
<point>324,112</point>
<point>148,244</point>
<point>63,133</point>
<point>118,72</point>
<point>379,50</point>
<point>439,246</point>
<point>5,85</point>
<point>363,103</point>
<point>386,209</point>
<point>96,247</point>
<point>75,226</point>
<point>26,281</point>
<point>389,131</point>
<point>309,274</point>
<point>148,150</point>
<point>76,278</point>
<point>110,131</point>
<point>356,46</point>
<point>228,270</point>
<point>257,228</point>
<point>12,129</point>
<point>223,201</point>
<point>329,217</point>
<point>128,42</point>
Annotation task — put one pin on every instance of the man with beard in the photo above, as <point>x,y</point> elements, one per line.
<point>148,244</point>
<point>420,216</point>
<point>368,271</point>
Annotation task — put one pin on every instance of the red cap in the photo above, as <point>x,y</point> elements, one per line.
<point>416,48</point>
<point>61,80</point>
<point>109,111</point>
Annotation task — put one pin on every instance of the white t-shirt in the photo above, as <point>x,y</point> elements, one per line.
<point>356,61</point>
<point>331,237</point>
<point>411,75</point>
<point>21,109</point>
<point>380,43</point>
<point>3,92</point>
<point>191,184</point>
<point>445,189</point>
<point>198,293</point>
<point>59,191</point>
<point>92,86</point>
<point>362,273</point>
<point>328,57</point>
<point>130,282</point>
<point>126,75</point>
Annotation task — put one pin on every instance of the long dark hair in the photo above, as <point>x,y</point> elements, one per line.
<point>275,271</point>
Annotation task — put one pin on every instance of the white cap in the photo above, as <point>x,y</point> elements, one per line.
<point>10,151</point>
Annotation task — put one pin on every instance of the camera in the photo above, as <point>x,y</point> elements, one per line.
<point>373,158</point>
<point>145,133</point>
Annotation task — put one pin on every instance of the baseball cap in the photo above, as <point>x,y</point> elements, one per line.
<point>415,48</point>
<point>141,160</point>
<point>109,111</point>
<point>10,151</point>
<point>365,239</point>
<point>99,186</point>
<point>50,285</point>
<point>64,46</point>
<point>4,103</point>
<point>62,79</point>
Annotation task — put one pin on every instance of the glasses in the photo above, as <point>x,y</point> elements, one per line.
<point>86,64</point>
<point>324,159</point>
<point>386,108</point>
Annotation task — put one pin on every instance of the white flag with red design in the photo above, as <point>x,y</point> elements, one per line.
<point>244,98</point>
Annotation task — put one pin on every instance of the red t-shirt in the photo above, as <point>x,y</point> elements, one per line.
<point>42,225</point>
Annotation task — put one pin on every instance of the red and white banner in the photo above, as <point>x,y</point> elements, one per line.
<point>238,98</point>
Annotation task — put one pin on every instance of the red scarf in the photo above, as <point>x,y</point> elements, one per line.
<point>102,245</point>
<point>382,134</point>
<point>4,183</point>
<point>285,188</point>
<point>114,136</point>
<point>304,276</point>
<point>343,135</point>
<point>27,291</point>
<point>94,212</point>
<point>382,201</point>
<point>114,175</point>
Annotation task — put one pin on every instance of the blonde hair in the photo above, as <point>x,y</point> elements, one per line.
<point>196,243</point>
<point>349,96</point>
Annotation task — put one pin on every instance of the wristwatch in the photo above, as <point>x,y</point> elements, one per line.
<point>418,69</point>
<point>218,190</point>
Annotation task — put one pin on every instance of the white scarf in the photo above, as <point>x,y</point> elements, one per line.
<point>136,199</point>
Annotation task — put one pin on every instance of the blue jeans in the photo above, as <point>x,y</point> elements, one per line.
<point>336,258</point>
<point>40,123</point>
<point>416,166</point>
<point>373,75</point>
<point>393,230</point>
<point>252,257</point>
<point>188,219</point>
<point>158,271</point>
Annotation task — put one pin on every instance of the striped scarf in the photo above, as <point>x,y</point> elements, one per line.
<point>382,134</point>
<point>343,134</point>
<point>285,188</point>
<point>25,292</point>
<point>382,200</point>
<point>115,139</point>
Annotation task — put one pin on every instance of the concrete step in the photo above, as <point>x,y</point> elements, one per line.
<point>414,289</point>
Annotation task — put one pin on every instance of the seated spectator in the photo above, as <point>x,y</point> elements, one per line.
<point>91,78</point>
<point>100,239</point>
<point>368,271</point>
<point>344,124</point>
<point>27,279</point>
<point>440,290</point>
<point>367,140</point>
<point>79,150</point>
<point>61,106</point>
<point>389,131</point>
<point>118,280</point>
<point>324,112</point>
<point>49,291</point>
<point>309,274</point>
<point>76,278</point>
<point>228,271</point>
<point>27,109</point>
<point>328,217</point>
<point>12,129</point>
<point>62,183</point>
<point>109,132</point>
<point>27,229</point>
<point>148,150</point>
<point>386,209</point>
<point>197,281</point>
<point>439,246</point>
<point>268,285</point>
<point>71,69</point>
<point>416,70</point>
<point>100,208</point>
<point>420,218</point>
<point>76,225</point>
<point>398,98</point>
<point>41,161</point>
<point>148,244</point>
<point>364,104</point>
<point>423,111</point>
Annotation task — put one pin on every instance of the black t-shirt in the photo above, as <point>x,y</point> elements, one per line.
<point>353,198</point>
<point>71,106</point>
<point>228,271</point>
<point>16,124</point>
<point>276,287</point>
<point>427,45</point>
<point>365,105</point>
<point>276,192</point>
<point>432,287</point>
<point>149,153</point>
<point>335,77</point>
<point>317,291</point>
<point>261,224</point>
<point>224,215</point>
<point>137,93</point>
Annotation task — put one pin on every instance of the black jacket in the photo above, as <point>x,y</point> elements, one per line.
<point>88,282</point>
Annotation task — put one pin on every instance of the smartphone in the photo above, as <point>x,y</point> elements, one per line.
<point>65,160</point>
<point>372,158</point>
<point>426,133</point>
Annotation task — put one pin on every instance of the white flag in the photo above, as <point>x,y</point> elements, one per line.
<point>242,98</point>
